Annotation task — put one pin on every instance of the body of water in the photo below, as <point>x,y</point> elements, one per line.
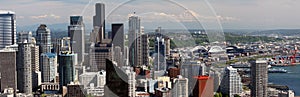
<point>291,79</point>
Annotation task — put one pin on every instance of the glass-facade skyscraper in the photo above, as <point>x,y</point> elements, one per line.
<point>76,34</point>
<point>43,39</point>
<point>49,67</point>
<point>66,68</point>
<point>137,43</point>
<point>99,21</point>
<point>7,28</point>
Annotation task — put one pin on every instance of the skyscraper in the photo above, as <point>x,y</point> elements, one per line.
<point>22,36</point>
<point>259,78</point>
<point>8,74</point>
<point>137,43</point>
<point>48,67</point>
<point>144,49</point>
<point>66,68</point>
<point>118,35</point>
<point>47,60</point>
<point>24,68</point>
<point>76,33</point>
<point>133,34</point>
<point>160,58</point>
<point>67,60</point>
<point>99,21</point>
<point>7,28</point>
<point>43,39</point>
<point>168,46</point>
<point>99,53</point>
<point>27,42</point>
<point>118,56</point>
<point>180,88</point>
<point>27,38</point>
<point>231,83</point>
<point>101,48</point>
<point>35,58</point>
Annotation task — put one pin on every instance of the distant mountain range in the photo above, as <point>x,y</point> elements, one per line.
<point>52,27</point>
<point>63,27</point>
<point>277,32</point>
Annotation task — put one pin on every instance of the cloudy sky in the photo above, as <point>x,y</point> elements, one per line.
<point>210,14</point>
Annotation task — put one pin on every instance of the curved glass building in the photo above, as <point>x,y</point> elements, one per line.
<point>7,28</point>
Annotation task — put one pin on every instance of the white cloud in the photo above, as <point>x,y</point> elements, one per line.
<point>227,18</point>
<point>20,17</point>
<point>46,16</point>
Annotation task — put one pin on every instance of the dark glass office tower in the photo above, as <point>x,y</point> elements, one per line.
<point>115,85</point>
<point>66,68</point>
<point>117,35</point>
<point>99,21</point>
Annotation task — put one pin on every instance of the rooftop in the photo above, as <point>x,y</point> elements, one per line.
<point>261,61</point>
<point>6,12</point>
<point>230,68</point>
<point>50,55</point>
<point>7,50</point>
<point>202,77</point>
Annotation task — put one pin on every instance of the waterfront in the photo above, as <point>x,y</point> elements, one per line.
<point>291,79</point>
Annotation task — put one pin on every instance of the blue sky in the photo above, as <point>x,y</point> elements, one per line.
<point>232,14</point>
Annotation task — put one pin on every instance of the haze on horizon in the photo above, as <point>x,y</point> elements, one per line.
<point>231,14</point>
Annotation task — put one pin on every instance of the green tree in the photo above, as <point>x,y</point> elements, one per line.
<point>218,95</point>
<point>236,95</point>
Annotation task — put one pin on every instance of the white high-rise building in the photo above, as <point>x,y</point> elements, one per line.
<point>180,87</point>
<point>231,83</point>
<point>7,28</point>
<point>98,79</point>
<point>133,40</point>
<point>49,67</point>
<point>131,81</point>
<point>137,43</point>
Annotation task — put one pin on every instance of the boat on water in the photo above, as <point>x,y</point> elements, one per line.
<point>270,70</point>
<point>279,70</point>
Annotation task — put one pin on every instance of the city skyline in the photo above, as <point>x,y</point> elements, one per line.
<point>205,62</point>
